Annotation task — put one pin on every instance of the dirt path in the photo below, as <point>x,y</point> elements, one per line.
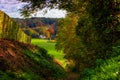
<point>72,76</point>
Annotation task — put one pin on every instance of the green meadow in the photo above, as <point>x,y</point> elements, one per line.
<point>50,47</point>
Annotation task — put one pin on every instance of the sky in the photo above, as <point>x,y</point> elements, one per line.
<point>11,7</point>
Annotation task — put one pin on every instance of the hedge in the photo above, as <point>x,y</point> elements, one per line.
<point>11,30</point>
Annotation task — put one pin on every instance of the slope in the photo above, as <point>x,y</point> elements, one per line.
<point>20,61</point>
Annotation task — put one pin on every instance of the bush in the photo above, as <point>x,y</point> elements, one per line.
<point>105,69</point>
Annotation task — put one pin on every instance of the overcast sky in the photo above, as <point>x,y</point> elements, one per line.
<point>11,8</point>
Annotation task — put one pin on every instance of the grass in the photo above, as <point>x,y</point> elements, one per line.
<point>21,61</point>
<point>50,47</point>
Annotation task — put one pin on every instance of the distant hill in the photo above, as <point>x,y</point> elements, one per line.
<point>36,23</point>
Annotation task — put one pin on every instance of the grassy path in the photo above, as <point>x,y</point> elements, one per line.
<point>50,47</point>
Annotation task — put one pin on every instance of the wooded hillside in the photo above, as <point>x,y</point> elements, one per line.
<point>34,26</point>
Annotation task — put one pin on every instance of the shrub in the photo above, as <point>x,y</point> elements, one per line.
<point>105,69</point>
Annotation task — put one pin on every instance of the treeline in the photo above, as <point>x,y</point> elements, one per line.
<point>34,26</point>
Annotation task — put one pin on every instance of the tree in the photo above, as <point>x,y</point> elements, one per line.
<point>67,39</point>
<point>98,29</point>
<point>102,29</point>
<point>75,6</point>
<point>25,13</point>
<point>46,32</point>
